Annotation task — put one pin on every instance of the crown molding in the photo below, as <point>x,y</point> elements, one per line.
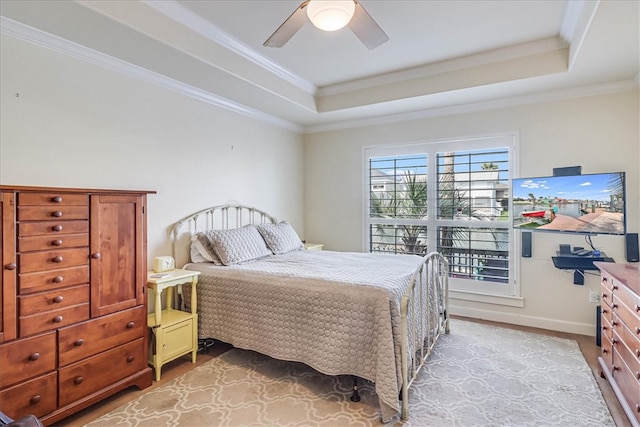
<point>537,98</point>
<point>191,20</point>
<point>40,38</point>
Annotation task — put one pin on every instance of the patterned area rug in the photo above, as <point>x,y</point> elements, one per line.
<point>477,376</point>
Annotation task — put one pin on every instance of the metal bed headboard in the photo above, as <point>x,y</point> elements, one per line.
<point>221,217</point>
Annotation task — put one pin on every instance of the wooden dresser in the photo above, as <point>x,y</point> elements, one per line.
<point>620,359</point>
<point>73,312</point>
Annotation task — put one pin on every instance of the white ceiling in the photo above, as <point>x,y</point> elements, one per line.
<point>443,56</point>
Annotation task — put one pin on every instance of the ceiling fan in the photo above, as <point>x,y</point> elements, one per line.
<point>330,16</point>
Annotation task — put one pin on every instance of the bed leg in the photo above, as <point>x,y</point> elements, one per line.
<point>355,397</point>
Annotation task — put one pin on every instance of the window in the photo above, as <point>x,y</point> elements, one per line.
<point>464,215</point>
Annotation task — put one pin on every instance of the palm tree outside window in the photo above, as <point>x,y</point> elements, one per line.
<point>454,201</point>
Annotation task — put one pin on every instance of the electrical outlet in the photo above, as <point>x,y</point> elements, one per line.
<point>594,297</point>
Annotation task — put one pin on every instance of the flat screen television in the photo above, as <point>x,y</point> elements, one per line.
<point>587,204</point>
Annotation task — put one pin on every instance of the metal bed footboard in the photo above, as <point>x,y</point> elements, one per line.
<point>424,317</point>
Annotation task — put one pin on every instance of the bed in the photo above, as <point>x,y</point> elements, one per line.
<point>371,316</point>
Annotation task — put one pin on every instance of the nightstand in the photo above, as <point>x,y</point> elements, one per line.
<point>174,332</point>
<point>313,246</point>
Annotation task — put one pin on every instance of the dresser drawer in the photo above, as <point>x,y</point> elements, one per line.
<point>625,314</point>
<point>53,319</point>
<point>27,358</point>
<point>53,300</point>
<point>37,396</point>
<point>62,258</point>
<point>628,298</point>
<point>90,375</point>
<point>607,328</point>
<point>52,228</point>
<point>53,279</point>
<point>607,281</point>
<point>53,199</point>
<point>61,241</point>
<point>97,335</point>
<point>606,297</point>
<point>606,312</point>
<point>43,213</point>
<point>628,347</point>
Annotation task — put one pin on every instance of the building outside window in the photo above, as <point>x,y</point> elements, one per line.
<point>451,197</point>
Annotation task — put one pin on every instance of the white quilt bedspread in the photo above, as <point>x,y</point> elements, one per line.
<point>334,311</point>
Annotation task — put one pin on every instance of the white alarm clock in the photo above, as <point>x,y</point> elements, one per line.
<point>163,263</point>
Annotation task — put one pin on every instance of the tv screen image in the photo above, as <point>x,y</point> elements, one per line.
<point>588,204</point>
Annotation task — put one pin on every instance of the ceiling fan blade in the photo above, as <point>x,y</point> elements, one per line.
<point>366,29</point>
<point>289,27</point>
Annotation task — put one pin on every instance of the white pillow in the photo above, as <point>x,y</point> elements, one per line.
<point>281,237</point>
<point>238,245</point>
<point>201,250</point>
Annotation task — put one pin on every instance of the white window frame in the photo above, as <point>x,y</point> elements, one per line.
<point>467,289</point>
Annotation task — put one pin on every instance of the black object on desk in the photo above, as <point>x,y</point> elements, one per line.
<point>579,263</point>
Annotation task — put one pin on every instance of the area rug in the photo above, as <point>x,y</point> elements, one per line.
<point>478,375</point>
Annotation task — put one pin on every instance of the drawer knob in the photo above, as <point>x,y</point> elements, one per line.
<point>130,325</point>
<point>614,341</point>
<point>58,299</point>
<point>36,399</point>
<point>57,227</point>
<point>604,279</point>
<point>604,296</point>
<point>616,368</point>
<point>605,311</point>
<point>638,375</point>
<point>130,358</point>
<point>34,356</point>
<point>78,342</point>
<point>605,351</point>
<point>78,380</point>
<point>614,323</point>
<point>95,255</point>
<point>56,214</point>
<point>56,199</point>
<point>58,279</point>
<point>614,306</point>
<point>57,259</point>
<point>614,287</point>
<point>637,330</point>
<point>638,352</point>
<point>11,266</point>
<point>637,308</point>
<point>638,408</point>
<point>57,319</point>
<point>57,242</point>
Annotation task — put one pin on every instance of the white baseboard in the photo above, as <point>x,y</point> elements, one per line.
<point>588,329</point>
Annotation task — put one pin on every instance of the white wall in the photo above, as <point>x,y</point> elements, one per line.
<point>65,122</point>
<point>600,133</point>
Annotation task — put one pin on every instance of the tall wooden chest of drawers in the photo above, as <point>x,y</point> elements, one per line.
<point>620,319</point>
<point>73,316</point>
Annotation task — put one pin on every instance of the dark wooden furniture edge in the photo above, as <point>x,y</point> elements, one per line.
<point>5,187</point>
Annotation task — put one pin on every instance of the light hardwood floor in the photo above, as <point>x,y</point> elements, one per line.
<point>178,367</point>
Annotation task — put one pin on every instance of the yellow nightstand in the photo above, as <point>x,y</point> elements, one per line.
<point>175,332</point>
<point>313,246</point>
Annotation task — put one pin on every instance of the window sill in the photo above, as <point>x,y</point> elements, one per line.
<point>510,301</point>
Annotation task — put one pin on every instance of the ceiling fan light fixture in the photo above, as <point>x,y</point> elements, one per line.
<point>329,15</point>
